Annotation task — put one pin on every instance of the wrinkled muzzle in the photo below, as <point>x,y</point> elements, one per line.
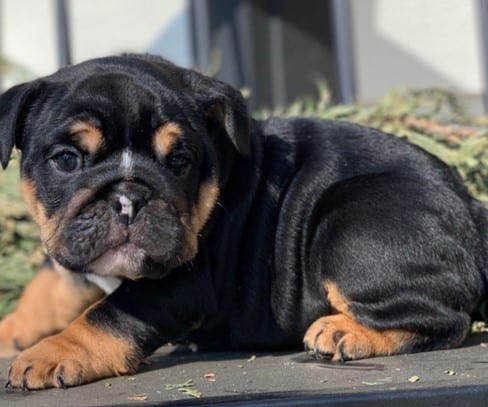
<point>122,230</point>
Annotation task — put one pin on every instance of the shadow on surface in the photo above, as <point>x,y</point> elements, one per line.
<point>181,355</point>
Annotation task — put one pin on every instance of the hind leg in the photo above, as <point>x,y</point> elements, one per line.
<point>397,276</point>
<point>341,337</point>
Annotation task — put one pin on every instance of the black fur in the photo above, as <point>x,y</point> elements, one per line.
<point>302,201</point>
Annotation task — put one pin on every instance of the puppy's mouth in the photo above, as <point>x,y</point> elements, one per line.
<point>125,261</point>
<point>96,241</point>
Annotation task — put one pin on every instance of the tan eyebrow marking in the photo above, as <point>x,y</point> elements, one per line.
<point>87,136</point>
<point>165,138</point>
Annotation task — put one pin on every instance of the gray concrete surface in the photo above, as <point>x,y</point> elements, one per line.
<point>221,377</point>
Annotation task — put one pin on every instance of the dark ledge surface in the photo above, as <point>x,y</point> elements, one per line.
<point>175,377</point>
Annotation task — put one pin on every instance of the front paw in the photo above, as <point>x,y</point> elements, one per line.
<point>82,353</point>
<point>11,336</point>
<point>19,331</point>
<point>48,364</point>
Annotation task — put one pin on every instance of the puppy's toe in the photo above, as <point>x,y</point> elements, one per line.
<point>318,340</point>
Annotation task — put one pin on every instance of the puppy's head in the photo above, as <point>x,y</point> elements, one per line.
<point>122,160</point>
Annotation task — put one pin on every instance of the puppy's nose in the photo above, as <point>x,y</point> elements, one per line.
<point>127,199</point>
<point>125,207</point>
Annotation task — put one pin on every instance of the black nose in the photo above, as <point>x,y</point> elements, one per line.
<point>127,198</point>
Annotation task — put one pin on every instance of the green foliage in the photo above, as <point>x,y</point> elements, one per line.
<point>431,118</point>
<point>19,241</point>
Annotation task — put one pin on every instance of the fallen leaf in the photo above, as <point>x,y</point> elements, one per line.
<point>479,327</point>
<point>252,358</point>
<point>190,392</point>
<point>188,383</point>
<point>185,388</point>
<point>211,377</point>
<point>372,383</point>
<point>138,397</point>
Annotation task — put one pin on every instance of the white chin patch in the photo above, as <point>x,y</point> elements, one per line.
<point>122,262</point>
<point>107,284</point>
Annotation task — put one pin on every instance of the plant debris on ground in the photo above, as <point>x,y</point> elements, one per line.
<point>431,118</point>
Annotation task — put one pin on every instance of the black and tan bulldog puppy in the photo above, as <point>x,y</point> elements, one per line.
<point>173,216</point>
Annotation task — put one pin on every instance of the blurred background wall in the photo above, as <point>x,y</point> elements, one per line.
<point>28,30</point>
<point>418,43</point>
<point>277,49</point>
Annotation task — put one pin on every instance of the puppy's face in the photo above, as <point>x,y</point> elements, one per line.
<point>122,161</point>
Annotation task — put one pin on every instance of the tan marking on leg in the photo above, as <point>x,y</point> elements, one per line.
<point>165,138</point>
<point>338,303</point>
<point>48,304</point>
<point>88,137</point>
<point>80,354</point>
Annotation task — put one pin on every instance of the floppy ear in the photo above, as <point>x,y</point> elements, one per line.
<point>224,106</point>
<point>12,109</point>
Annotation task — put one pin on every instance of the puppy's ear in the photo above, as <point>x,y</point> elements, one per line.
<point>13,105</point>
<point>224,106</point>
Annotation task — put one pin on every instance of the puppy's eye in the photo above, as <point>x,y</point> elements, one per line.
<point>67,161</point>
<point>178,162</point>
